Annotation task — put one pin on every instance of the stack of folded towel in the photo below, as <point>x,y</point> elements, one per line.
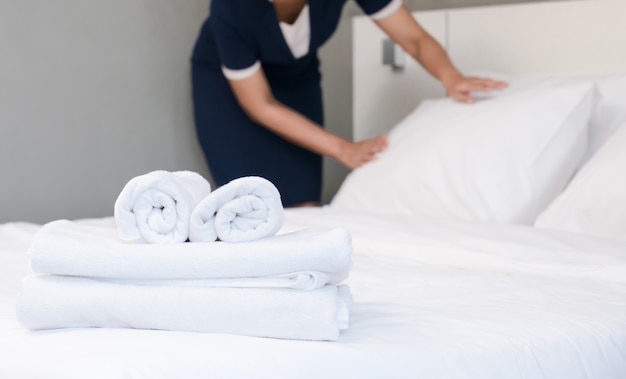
<point>261,284</point>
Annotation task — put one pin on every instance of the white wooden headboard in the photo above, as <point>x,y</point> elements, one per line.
<point>575,36</point>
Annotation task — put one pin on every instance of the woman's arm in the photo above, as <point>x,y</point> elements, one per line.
<point>255,97</point>
<point>403,29</point>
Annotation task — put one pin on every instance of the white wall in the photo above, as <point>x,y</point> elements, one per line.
<point>92,93</point>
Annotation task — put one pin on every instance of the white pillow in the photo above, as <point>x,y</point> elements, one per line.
<point>610,108</point>
<point>502,159</point>
<point>595,201</point>
<point>610,111</point>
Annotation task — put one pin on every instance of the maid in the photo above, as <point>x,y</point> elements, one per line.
<point>257,89</point>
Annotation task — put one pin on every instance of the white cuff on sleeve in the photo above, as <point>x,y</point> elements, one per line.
<point>388,10</point>
<point>243,73</point>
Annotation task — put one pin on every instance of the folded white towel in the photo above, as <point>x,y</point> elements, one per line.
<point>51,302</point>
<point>155,207</point>
<point>245,209</point>
<point>305,281</point>
<point>70,248</point>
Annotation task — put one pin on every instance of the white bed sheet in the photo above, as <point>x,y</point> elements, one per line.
<point>433,299</point>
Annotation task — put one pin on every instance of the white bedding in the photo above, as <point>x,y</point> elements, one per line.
<point>432,299</point>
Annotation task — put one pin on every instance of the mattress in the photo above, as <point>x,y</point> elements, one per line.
<point>432,299</point>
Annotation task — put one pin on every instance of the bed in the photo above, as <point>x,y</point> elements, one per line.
<point>497,251</point>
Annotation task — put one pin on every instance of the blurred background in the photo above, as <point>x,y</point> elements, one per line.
<point>93,93</point>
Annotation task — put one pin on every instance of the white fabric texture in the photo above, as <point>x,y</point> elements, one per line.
<point>298,35</point>
<point>52,302</point>
<point>595,201</point>
<point>244,209</point>
<point>609,112</point>
<point>387,11</point>
<point>502,159</point>
<point>69,248</point>
<point>244,73</point>
<point>155,207</point>
<point>444,299</point>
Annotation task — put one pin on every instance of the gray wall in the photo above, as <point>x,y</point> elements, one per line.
<point>92,93</point>
<point>95,92</point>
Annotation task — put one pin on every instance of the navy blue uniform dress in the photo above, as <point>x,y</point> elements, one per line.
<point>237,35</point>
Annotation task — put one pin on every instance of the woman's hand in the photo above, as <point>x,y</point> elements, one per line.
<point>459,87</point>
<point>356,154</point>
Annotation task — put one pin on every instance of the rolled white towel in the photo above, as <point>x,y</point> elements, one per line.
<point>52,302</point>
<point>155,207</point>
<point>245,209</point>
